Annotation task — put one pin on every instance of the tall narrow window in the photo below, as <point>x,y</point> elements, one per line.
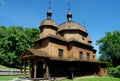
<point>88,56</point>
<point>81,55</point>
<point>60,53</point>
<point>93,57</point>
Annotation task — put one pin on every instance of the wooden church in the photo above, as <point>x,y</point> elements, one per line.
<point>63,50</point>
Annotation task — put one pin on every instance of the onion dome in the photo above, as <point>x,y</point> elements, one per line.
<point>69,16</point>
<point>49,13</point>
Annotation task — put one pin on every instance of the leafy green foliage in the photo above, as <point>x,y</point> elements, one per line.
<point>13,41</point>
<point>114,71</point>
<point>109,47</point>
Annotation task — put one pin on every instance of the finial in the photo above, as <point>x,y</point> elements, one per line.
<point>49,12</point>
<point>69,14</point>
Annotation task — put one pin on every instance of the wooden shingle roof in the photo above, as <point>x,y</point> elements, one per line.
<point>71,26</point>
<point>30,52</point>
<point>48,22</point>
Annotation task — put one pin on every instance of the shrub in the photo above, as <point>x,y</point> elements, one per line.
<point>114,71</point>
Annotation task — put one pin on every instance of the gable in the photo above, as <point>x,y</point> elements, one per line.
<point>28,53</point>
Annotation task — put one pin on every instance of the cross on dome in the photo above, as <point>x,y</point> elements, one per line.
<point>49,12</point>
<point>69,14</point>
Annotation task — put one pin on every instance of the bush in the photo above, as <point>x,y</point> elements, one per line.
<point>114,71</point>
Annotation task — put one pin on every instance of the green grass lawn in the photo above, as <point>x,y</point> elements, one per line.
<point>106,78</point>
<point>7,78</point>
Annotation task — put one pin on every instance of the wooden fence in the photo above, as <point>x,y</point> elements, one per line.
<point>10,72</point>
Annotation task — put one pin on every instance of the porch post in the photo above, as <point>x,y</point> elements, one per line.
<point>96,69</point>
<point>30,68</point>
<point>24,68</point>
<point>47,71</point>
<point>35,69</point>
<point>100,73</point>
<point>21,68</point>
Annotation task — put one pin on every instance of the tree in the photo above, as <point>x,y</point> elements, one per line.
<point>13,41</point>
<point>109,48</point>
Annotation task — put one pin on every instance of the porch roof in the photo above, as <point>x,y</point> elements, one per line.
<point>30,52</point>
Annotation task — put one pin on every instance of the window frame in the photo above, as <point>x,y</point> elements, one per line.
<point>81,55</point>
<point>93,57</point>
<point>60,53</point>
<point>88,56</point>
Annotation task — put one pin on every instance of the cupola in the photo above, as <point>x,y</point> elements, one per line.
<point>71,30</point>
<point>48,26</point>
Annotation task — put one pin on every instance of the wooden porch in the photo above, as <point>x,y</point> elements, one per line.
<point>44,67</point>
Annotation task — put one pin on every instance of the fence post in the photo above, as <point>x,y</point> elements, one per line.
<point>11,72</point>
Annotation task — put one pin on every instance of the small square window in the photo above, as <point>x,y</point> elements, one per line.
<point>60,53</point>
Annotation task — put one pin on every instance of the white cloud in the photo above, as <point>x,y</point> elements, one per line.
<point>2,2</point>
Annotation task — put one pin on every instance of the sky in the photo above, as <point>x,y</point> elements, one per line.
<point>98,16</point>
